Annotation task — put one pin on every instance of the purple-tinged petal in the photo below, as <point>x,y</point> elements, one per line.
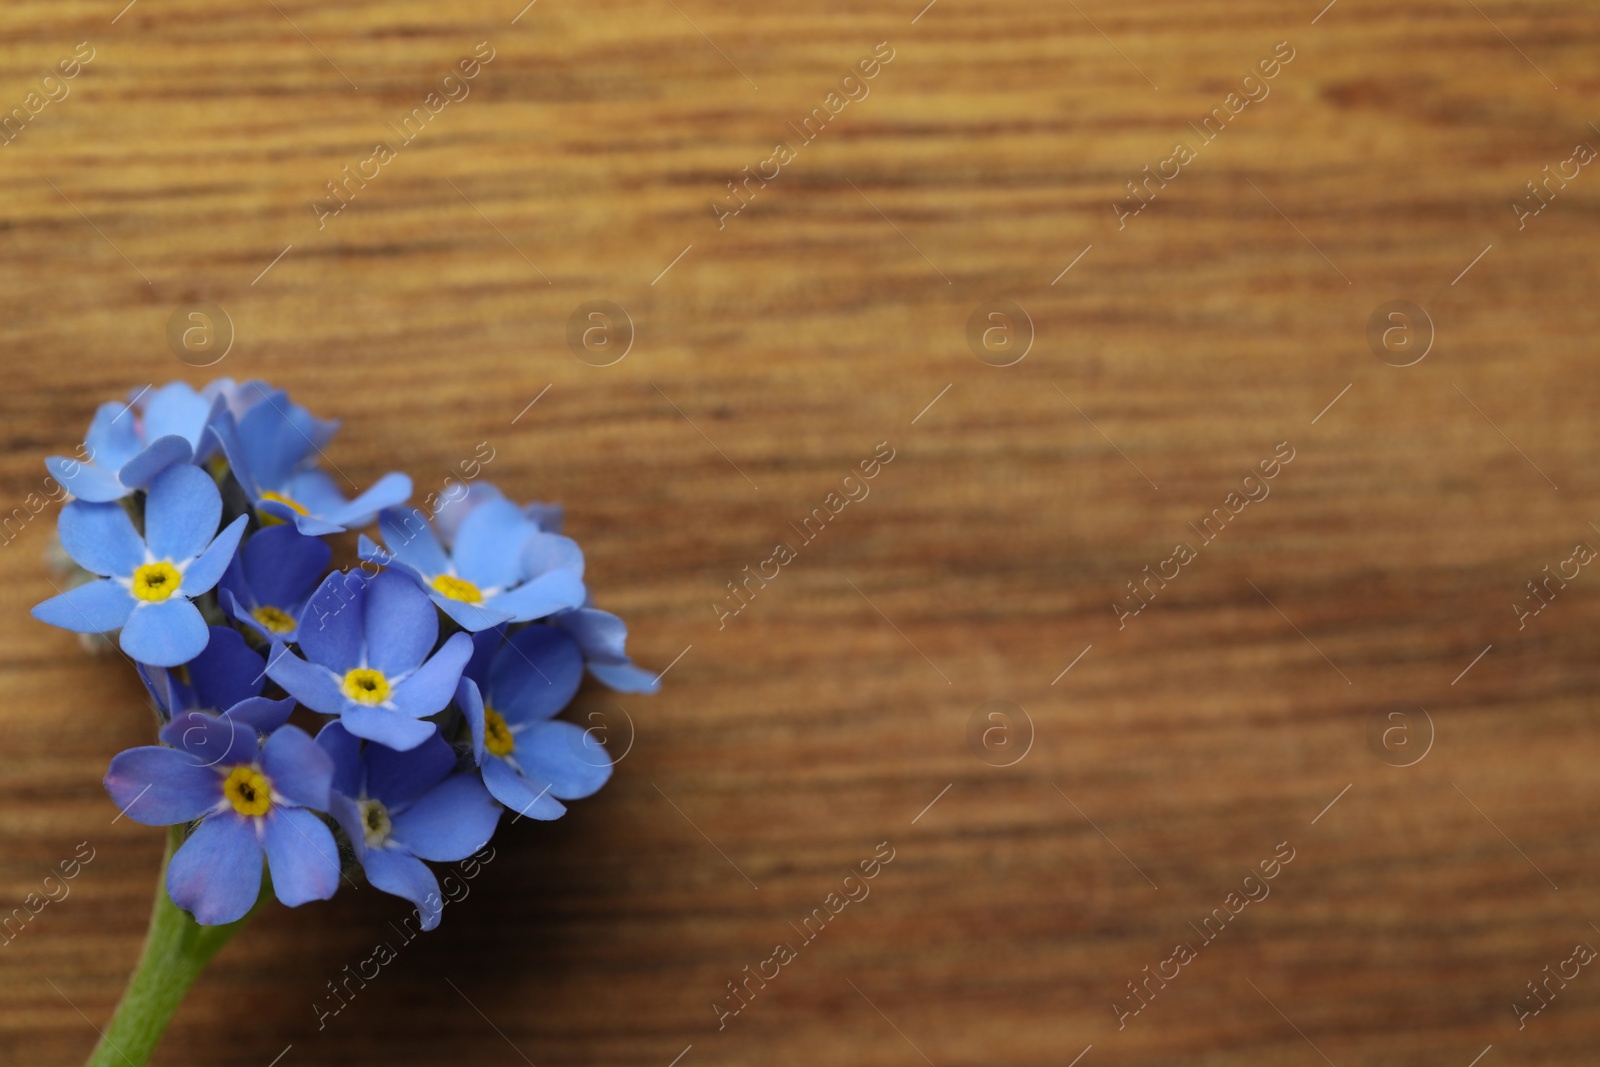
<point>488,545</point>
<point>92,608</point>
<point>409,538</point>
<point>312,685</point>
<point>165,634</point>
<point>330,625</point>
<point>161,786</point>
<point>89,482</point>
<point>181,514</point>
<point>260,713</point>
<point>545,595</point>
<point>535,674</point>
<point>344,748</point>
<point>228,670</point>
<point>212,740</point>
<point>399,625</point>
<point>548,517</point>
<point>216,875</point>
<point>518,793</point>
<point>565,756</point>
<point>430,688</point>
<point>161,454</point>
<point>281,565</point>
<point>203,573</point>
<point>450,822</point>
<point>398,778</point>
<point>626,678</point>
<point>392,490</point>
<point>391,728</point>
<point>300,770</point>
<point>407,877</point>
<point>301,854</point>
<point>100,538</point>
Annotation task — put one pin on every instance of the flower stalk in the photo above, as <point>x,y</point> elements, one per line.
<point>176,950</point>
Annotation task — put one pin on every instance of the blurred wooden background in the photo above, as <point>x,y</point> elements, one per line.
<point>776,353</point>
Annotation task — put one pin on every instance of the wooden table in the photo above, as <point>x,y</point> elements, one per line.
<point>1149,762</point>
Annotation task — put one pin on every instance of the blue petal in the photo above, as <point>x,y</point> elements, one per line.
<point>310,684</point>
<point>226,429</point>
<point>216,875</point>
<point>176,409</point>
<point>548,517</point>
<point>347,813</point>
<point>430,688</point>
<point>181,514</point>
<point>485,643</point>
<point>86,481</point>
<point>536,674</point>
<point>451,822</point>
<point>165,634</point>
<point>488,546</point>
<point>626,678</point>
<point>391,728</point>
<point>161,786</point>
<point>212,740</point>
<point>330,625</point>
<point>162,453</point>
<point>452,512</point>
<point>272,443</point>
<point>398,778</point>
<point>470,701</point>
<point>407,877</point>
<point>565,756</point>
<point>545,595</point>
<point>409,538</point>
<point>231,604</point>
<point>315,490</point>
<point>520,795</point>
<point>100,538</point>
<point>389,491</point>
<point>469,617</point>
<point>282,565</point>
<point>93,608</point>
<point>260,713</point>
<point>600,634</point>
<point>227,672</point>
<point>399,625</point>
<point>344,748</point>
<point>203,573</point>
<point>301,854</point>
<point>299,768</point>
<point>113,436</point>
<point>547,552</point>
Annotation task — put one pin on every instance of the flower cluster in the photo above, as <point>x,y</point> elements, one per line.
<point>435,666</point>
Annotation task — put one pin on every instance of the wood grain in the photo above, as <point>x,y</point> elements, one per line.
<point>773,356</point>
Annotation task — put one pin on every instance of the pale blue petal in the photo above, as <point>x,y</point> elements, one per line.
<point>389,491</point>
<point>626,678</point>
<point>451,822</point>
<point>407,877</point>
<point>176,409</point>
<point>409,537</point>
<point>162,453</point>
<point>216,875</point>
<point>430,688</point>
<point>113,436</point>
<point>470,701</point>
<point>203,573</point>
<point>161,786</point>
<point>453,511</point>
<point>93,608</point>
<point>312,685</point>
<point>520,795</point>
<point>301,854</point>
<point>181,514</point>
<point>547,552</point>
<point>392,728</point>
<point>399,625</point>
<point>545,595</point>
<point>100,538</point>
<point>299,769</point>
<point>563,755</point>
<point>488,545</point>
<point>86,481</point>
<point>165,634</point>
<point>470,617</point>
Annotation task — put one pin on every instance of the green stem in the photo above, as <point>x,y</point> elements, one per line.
<point>176,950</point>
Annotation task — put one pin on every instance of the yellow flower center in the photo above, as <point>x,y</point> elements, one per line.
<point>366,686</point>
<point>375,822</point>
<point>274,619</point>
<point>248,790</point>
<point>457,588</point>
<point>269,519</point>
<point>156,581</point>
<point>496,734</point>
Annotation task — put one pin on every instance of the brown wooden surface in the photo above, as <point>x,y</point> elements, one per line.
<point>1217,324</point>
